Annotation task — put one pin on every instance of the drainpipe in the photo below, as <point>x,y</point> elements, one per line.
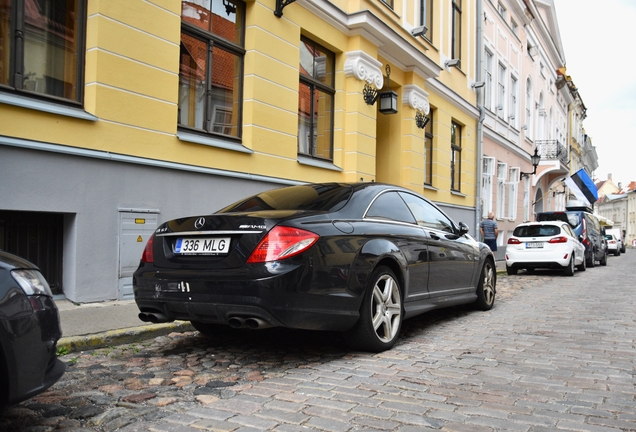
<point>480,122</point>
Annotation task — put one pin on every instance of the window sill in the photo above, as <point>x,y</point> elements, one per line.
<point>45,106</point>
<point>457,193</point>
<point>431,188</point>
<point>212,141</point>
<point>305,160</point>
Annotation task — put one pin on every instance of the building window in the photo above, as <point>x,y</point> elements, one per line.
<point>502,10</point>
<point>315,101</point>
<point>456,156</point>
<point>486,185</point>
<point>428,151</point>
<point>513,101</point>
<point>211,66</point>
<point>389,3</point>
<point>501,190</point>
<point>529,126</point>
<point>513,187</point>
<point>488,65</point>
<point>501,91</point>
<point>42,46</point>
<point>426,17</point>
<point>456,51</point>
<point>515,27</point>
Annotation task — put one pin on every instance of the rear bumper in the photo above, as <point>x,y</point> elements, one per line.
<point>292,296</point>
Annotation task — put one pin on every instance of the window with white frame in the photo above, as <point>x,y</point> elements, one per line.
<point>526,199</point>
<point>501,190</point>
<point>515,27</point>
<point>486,185</point>
<point>513,101</point>
<point>513,188</point>
<point>488,71</point>
<point>501,91</point>
<point>426,17</point>
<point>501,9</point>
<point>529,125</point>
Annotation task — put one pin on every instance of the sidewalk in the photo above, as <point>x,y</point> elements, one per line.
<point>95,325</point>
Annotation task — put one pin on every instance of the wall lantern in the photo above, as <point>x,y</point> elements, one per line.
<point>535,158</point>
<point>388,99</point>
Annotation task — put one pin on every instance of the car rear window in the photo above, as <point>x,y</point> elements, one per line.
<point>574,219</point>
<point>324,197</point>
<point>537,231</point>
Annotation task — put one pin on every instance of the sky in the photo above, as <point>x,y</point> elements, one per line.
<point>597,39</point>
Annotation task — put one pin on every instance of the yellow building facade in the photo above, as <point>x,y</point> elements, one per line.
<point>162,108</point>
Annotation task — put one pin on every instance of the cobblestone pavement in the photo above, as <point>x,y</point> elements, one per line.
<point>555,353</point>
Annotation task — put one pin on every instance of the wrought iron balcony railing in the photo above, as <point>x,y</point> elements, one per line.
<point>553,150</point>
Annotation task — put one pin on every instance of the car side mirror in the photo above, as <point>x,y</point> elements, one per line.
<point>463,229</point>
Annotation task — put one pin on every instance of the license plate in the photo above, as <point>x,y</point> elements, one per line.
<point>202,246</point>
<point>534,245</point>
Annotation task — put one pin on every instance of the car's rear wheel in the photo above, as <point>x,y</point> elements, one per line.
<point>591,262</point>
<point>486,288</point>
<point>617,252</point>
<point>511,271</point>
<point>381,314</point>
<point>569,270</point>
<point>603,261</point>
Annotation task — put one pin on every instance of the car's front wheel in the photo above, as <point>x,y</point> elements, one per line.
<point>582,266</point>
<point>486,288</point>
<point>381,314</point>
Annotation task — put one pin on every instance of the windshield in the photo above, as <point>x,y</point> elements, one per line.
<point>320,197</point>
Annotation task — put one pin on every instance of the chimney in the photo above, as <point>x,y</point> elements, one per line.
<point>609,176</point>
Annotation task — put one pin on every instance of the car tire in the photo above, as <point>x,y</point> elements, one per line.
<point>591,262</point>
<point>381,313</point>
<point>486,287</point>
<point>582,266</point>
<point>617,253</point>
<point>603,261</point>
<point>569,270</point>
<point>511,271</point>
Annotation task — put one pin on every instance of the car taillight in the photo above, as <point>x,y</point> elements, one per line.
<point>559,239</point>
<point>513,240</point>
<point>282,242</point>
<point>148,256</point>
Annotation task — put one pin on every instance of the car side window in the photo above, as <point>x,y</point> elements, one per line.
<point>568,230</point>
<point>426,214</point>
<point>390,206</point>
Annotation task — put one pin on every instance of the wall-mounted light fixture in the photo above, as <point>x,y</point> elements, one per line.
<point>419,31</point>
<point>478,84</point>
<point>421,120</point>
<point>388,99</point>
<point>280,4</point>
<point>535,158</point>
<point>452,63</point>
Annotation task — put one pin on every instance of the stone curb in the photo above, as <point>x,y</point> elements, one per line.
<point>120,336</point>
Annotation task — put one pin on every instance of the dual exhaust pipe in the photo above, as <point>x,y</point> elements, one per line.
<point>251,323</point>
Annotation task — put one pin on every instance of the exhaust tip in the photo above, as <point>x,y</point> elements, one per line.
<point>236,322</point>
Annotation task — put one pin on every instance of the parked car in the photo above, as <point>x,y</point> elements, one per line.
<point>613,244</point>
<point>29,331</point>
<point>587,228</point>
<point>618,234</point>
<point>551,245</point>
<point>356,258</point>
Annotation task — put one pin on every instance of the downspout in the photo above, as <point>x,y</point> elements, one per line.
<point>482,114</point>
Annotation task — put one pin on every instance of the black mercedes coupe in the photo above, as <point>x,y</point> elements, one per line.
<point>356,258</point>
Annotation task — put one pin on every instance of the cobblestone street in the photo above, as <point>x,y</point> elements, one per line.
<point>555,353</point>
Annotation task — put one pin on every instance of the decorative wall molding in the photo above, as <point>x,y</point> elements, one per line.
<point>364,67</point>
<point>416,98</point>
